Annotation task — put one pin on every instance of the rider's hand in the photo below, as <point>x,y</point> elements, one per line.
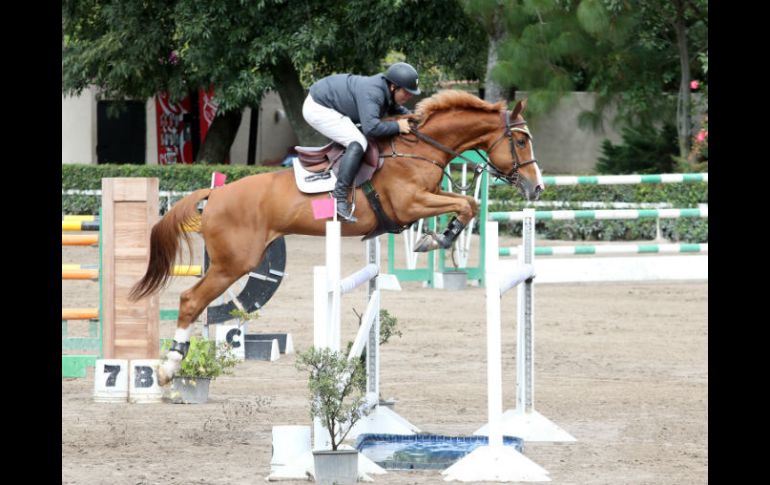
<point>403,125</point>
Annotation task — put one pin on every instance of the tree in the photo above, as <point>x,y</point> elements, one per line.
<point>638,56</point>
<point>491,14</point>
<point>131,48</point>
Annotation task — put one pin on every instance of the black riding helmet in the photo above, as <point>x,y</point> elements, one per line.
<point>404,76</point>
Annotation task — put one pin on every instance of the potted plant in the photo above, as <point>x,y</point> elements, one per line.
<point>205,361</point>
<point>337,388</point>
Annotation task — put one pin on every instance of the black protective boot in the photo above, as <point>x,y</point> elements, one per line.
<point>346,174</point>
<point>454,228</point>
<point>431,240</point>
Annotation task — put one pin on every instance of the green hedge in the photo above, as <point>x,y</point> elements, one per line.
<point>680,196</point>
<point>179,178</point>
<point>191,177</point>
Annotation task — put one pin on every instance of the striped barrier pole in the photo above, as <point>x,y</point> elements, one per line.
<point>76,225</point>
<point>611,249</point>
<point>79,217</point>
<point>72,271</point>
<point>562,215</point>
<point>79,239</point>
<point>665,178</point>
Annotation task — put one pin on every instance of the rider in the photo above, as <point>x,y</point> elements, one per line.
<point>336,102</point>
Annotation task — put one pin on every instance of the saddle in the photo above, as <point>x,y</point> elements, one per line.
<point>322,161</point>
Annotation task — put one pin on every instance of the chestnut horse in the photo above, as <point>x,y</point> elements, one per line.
<point>242,218</point>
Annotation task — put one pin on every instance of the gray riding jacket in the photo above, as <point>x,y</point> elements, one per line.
<point>363,99</point>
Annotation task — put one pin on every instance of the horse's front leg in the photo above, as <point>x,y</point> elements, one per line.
<point>427,204</point>
<point>475,208</point>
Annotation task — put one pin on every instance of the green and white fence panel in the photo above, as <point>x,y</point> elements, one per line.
<point>564,215</point>
<point>435,262</point>
<point>665,178</point>
<point>611,249</point>
<point>672,263</point>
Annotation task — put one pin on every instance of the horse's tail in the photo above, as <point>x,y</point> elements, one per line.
<point>164,243</point>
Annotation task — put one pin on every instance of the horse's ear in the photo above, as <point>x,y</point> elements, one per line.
<point>519,109</point>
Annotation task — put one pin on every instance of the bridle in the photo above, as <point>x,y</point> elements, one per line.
<point>513,177</point>
<point>510,178</point>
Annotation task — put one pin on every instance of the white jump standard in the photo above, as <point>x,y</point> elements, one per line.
<point>496,462</point>
<point>329,286</point>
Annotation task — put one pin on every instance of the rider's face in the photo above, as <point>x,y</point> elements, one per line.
<point>401,95</point>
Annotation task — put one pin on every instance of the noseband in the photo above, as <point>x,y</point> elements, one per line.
<point>511,178</point>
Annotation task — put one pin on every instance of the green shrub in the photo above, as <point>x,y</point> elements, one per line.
<point>680,196</point>
<point>337,387</point>
<point>644,150</point>
<point>179,178</point>
<point>205,359</point>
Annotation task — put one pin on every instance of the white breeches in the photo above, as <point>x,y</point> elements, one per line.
<point>332,124</point>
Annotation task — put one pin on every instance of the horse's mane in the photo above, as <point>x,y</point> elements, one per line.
<point>453,99</point>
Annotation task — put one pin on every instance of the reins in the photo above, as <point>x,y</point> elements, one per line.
<point>488,166</point>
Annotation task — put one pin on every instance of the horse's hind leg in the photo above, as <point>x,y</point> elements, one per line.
<point>191,304</point>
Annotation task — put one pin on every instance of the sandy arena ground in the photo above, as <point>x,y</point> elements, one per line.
<point>622,367</point>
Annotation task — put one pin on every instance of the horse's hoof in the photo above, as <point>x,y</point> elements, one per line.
<point>426,243</point>
<point>163,377</point>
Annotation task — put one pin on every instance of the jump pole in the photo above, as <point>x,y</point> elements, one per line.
<point>329,287</point>
<point>495,462</point>
<point>523,421</point>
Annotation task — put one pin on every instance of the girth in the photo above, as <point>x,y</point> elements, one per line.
<point>384,223</point>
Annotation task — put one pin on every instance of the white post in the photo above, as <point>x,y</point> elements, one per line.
<point>494,339</point>
<point>525,358</point>
<point>333,268</point>
<point>496,462</point>
<point>321,303</point>
<point>326,312</point>
<point>373,344</point>
<point>523,421</point>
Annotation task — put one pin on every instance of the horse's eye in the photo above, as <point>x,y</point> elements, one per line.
<point>521,143</point>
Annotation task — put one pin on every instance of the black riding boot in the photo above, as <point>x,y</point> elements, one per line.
<point>346,174</point>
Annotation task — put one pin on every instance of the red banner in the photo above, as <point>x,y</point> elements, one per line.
<point>208,110</point>
<point>174,133</point>
<point>174,139</point>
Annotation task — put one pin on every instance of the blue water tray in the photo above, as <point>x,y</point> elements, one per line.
<point>422,451</point>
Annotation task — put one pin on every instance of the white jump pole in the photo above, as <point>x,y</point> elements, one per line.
<point>378,418</point>
<point>329,287</point>
<point>496,462</point>
<point>523,421</point>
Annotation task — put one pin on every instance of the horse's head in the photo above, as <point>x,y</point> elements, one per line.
<point>515,161</point>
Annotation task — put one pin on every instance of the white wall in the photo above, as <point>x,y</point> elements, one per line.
<point>78,128</point>
<point>561,146</point>
<point>275,135</point>
<point>239,152</point>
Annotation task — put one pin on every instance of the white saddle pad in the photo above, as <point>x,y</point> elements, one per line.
<point>316,186</point>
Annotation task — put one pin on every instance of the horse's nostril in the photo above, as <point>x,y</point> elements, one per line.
<point>539,188</point>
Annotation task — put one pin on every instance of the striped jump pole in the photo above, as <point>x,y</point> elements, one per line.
<point>78,225</point>
<point>80,217</point>
<point>79,239</point>
<point>565,215</point>
<point>611,249</point>
<point>74,271</point>
<point>665,178</point>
